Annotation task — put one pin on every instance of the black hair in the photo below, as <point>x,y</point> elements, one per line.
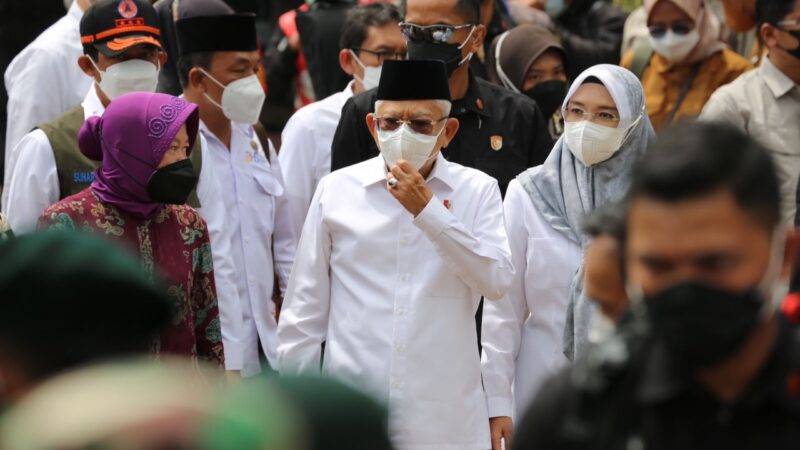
<point>361,18</point>
<point>91,51</point>
<point>470,10</point>
<point>191,60</point>
<point>607,220</point>
<point>773,11</point>
<point>696,159</point>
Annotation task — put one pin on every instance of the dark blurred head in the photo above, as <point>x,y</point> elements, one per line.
<point>782,40</point>
<point>703,207</point>
<point>70,299</point>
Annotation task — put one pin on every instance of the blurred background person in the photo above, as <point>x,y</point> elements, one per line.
<point>685,61</point>
<point>542,322</point>
<point>43,80</point>
<point>138,201</point>
<point>529,59</point>
<point>369,37</point>
<point>765,102</point>
<point>590,30</point>
<point>130,404</point>
<point>69,319</point>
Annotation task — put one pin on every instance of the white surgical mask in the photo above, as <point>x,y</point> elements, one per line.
<point>372,75</point>
<point>405,143</point>
<point>675,47</point>
<point>241,99</point>
<point>133,75</point>
<point>592,143</point>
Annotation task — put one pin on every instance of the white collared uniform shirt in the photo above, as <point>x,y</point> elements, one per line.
<point>765,104</point>
<point>43,82</point>
<point>305,154</point>
<point>394,297</point>
<point>255,211</point>
<point>523,333</point>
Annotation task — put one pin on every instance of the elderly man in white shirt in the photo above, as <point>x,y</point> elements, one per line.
<point>43,80</point>
<point>765,102</point>
<point>392,264</point>
<point>369,37</point>
<point>217,71</point>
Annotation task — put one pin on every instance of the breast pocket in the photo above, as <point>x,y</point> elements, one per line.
<point>267,188</point>
<point>548,263</point>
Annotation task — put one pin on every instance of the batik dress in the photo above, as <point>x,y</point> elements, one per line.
<point>173,246</point>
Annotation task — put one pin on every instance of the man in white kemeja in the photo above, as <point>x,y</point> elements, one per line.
<point>394,257</point>
<point>525,336</point>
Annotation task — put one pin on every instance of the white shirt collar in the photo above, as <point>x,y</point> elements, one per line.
<point>777,81</point>
<point>348,90</point>
<point>92,106</point>
<point>376,172</point>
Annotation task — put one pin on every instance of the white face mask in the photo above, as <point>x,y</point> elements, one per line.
<point>133,75</point>
<point>405,143</point>
<point>675,47</point>
<point>592,143</point>
<point>372,75</point>
<point>241,99</point>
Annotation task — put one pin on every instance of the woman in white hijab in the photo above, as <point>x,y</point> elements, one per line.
<point>525,335</point>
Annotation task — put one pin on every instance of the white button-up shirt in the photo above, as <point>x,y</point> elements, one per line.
<point>33,185</point>
<point>254,207</point>
<point>306,151</point>
<point>394,297</point>
<point>765,104</point>
<point>44,81</point>
<point>523,332</point>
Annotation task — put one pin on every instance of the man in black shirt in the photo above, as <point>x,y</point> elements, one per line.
<point>502,133</point>
<point>704,359</point>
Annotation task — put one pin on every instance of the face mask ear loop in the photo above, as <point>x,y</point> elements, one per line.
<point>363,67</point>
<point>500,72</point>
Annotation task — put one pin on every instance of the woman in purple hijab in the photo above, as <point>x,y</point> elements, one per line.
<point>143,141</point>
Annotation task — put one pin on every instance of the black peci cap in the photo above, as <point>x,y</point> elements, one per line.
<point>222,33</point>
<point>419,79</point>
<point>113,26</point>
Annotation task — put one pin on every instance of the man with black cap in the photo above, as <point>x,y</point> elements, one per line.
<point>217,69</point>
<point>122,54</point>
<point>502,133</point>
<point>395,255</point>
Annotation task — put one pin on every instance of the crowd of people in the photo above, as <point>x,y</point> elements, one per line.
<point>419,224</point>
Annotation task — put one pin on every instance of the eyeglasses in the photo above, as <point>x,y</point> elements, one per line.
<point>605,118</point>
<point>382,56</point>
<point>681,28</point>
<point>436,34</point>
<point>421,126</point>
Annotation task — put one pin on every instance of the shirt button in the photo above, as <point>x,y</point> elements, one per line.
<point>404,278</point>
<point>404,241</point>
<point>395,385</point>
<point>400,348</point>
<point>401,311</point>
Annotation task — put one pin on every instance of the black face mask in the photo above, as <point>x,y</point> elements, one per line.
<point>549,95</point>
<point>173,183</point>
<point>449,54</point>
<point>795,52</point>
<point>702,325</point>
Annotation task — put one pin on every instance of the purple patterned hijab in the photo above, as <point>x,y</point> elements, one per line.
<point>130,139</point>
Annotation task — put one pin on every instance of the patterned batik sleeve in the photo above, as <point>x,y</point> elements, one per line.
<point>204,302</point>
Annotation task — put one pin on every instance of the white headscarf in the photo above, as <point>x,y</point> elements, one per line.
<point>564,190</point>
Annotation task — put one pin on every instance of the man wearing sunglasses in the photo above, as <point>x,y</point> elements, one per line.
<point>501,133</point>
<point>369,37</point>
<point>765,103</point>
<point>395,255</point>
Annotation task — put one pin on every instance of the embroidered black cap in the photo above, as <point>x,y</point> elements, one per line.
<point>418,79</point>
<point>220,33</point>
<point>113,26</point>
